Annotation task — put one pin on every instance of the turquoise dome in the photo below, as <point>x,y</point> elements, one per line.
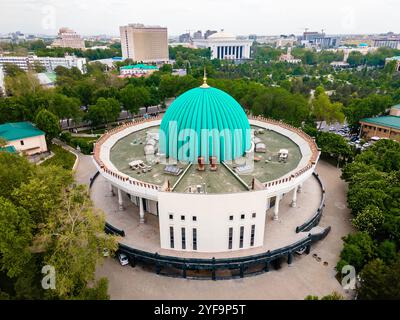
<point>204,121</point>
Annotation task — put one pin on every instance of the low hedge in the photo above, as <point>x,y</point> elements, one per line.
<point>85,143</point>
<point>62,158</point>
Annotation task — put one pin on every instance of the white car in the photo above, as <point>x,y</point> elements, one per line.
<point>123,259</point>
<point>105,252</point>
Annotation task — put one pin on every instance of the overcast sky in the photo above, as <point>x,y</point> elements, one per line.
<point>243,17</point>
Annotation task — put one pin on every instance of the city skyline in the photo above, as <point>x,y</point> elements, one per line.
<point>259,17</point>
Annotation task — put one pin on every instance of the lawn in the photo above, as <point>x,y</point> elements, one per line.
<point>61,158</point>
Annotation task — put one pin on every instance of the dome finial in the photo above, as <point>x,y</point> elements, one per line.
<point>205,85</point>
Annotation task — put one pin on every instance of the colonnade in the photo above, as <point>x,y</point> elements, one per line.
<point>121,202</point>
<point>297,189</point>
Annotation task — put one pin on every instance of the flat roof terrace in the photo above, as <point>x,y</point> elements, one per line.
<point>131,147</point>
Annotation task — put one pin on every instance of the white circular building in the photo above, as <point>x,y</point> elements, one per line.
<point>207,176</point>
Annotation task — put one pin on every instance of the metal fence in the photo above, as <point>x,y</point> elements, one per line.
<point>314,220</point>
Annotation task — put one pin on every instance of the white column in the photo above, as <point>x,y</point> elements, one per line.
<point>300,188</point>
<point>141,210</point>
<point>111,189</point>
<point>268,203</point>
<point>276,208</point>
<point>294,199</point>
<point>120,202</point>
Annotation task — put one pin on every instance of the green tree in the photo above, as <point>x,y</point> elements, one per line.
<point>12,70</point>
<point>49,123</point>
<point>324,109</point>
<point>355,59</point>
<point>104,111</point>
<point>74,237</point>
<point>380,281</point>
<point>370,220</point>
<point>134,98</point>
<point>15,237</point>
<point>359,249</point>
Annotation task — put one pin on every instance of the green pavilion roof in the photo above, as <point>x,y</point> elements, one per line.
<point>10,149</point>
<point>385,121</point>
<point>19,130</point>
<point>140,66</point>
<point>205,109</point>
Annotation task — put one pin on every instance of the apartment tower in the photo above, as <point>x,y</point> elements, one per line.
<point>144,43</point>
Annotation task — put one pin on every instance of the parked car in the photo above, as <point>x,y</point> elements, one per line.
<point>105,252</point>
<point>301,250</point>
<point>123,259</point>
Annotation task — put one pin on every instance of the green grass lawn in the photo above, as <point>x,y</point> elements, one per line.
<point>61,158</point>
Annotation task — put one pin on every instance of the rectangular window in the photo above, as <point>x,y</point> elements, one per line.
<point>183,238</point>
<point>253,231</point>
<point>230,238</point>
<point>241,237</point>
<point>253,215</point>
<point>183,218</point>
<point>171,237</point>
<point>230,218</point>
<point>242,216</point>
<point>194,218</point>
<point>22,142</point>
<point>171,217</point>
<point>194,239</point>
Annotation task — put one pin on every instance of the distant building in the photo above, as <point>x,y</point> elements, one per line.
<point>49,63</point>
<point>198,35</point>
<point>340,64</point>
<point>224,45</point>
<point>68,38</point>
<point>284,41</point>
<point>389,42</point>
<point>179,72</point>
<point>288,57</point>
<point>109,62</point>
<point>185,38</point>
<point>396,59</point>
<point>384,126</point>
<point>137,70</point>
<point>23,137</point>
<point>47,79</point>
<point>144,43</point>
<point>319,40</point>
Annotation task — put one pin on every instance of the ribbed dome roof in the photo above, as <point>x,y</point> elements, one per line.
<point>222,35</point>
<point>217,121</point>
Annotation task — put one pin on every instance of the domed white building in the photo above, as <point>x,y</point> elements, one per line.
<point>209,179</point>
<point>224,45</point>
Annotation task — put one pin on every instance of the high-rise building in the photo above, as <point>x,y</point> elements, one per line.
<point>198,35</point>
<point>144,43</point>
<point>68,38</point>
<point>319,40</point>
<point>185,38</point>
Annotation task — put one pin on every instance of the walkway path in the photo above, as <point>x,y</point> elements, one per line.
<point>305,276</point>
